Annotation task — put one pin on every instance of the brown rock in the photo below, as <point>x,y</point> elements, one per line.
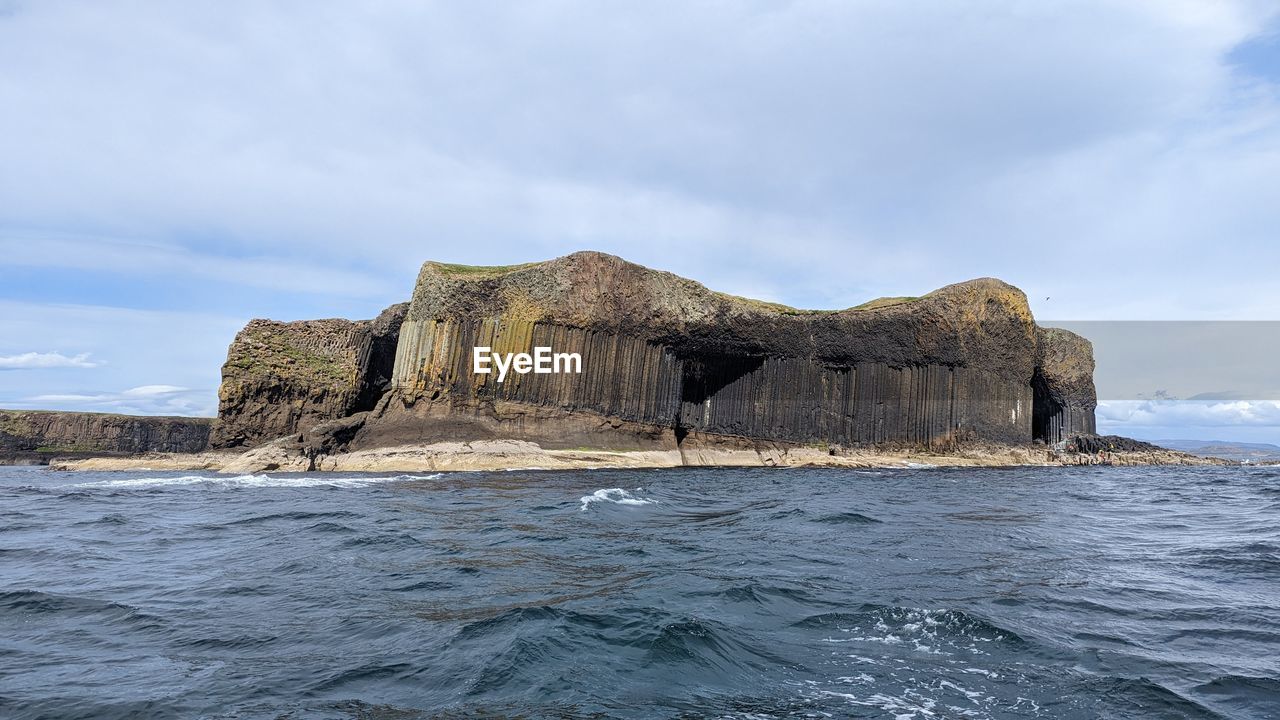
<point>668,357</point>
<point>1065,398</point>
<point>281,378</point>
<point>38,435</point>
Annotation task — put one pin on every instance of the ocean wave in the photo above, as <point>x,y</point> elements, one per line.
<point>936,632</point>
<point>292,515</point>
<point>736,593</point>
<point>721,516</point>
<point>616,496</point>
<point>846,518</point>
<point>371,671</point>
<point>757,594</point>
<point>1254,696</point>
<point>1142,697</point>
<point>694,640</point>
<point>108,519</point>
<point>34,604</point>
<point>907,706</point>
<point>235,642</point>
<point>249,481</point>
<point>1252,559</point>
<point>383,539</point>
<point>423,586</point>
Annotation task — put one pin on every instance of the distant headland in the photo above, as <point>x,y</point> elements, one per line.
<point>605,362</point>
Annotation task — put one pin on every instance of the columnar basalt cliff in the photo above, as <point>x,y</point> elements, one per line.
<point>665,359</point>
<point>37,433</point>
<point>281,377</point>
<point>666,363</point>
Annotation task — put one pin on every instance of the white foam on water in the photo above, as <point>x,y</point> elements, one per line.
<point>251,481</point>
<point>909,706</point>
<point>617,496</point>
<point>865,659</point>
<point>918,466</point>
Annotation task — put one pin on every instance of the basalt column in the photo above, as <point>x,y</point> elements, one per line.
<point>623,377</point>
<point>797,400</point>
<point>662,356</point>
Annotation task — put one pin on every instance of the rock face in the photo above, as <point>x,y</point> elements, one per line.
<point>41,432</point>
<point>665,364</point>
<point>1065,398</point>
<point>666,359</point>
<point>280,377</point>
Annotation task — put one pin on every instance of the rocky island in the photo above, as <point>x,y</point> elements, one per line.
<point>670,373</point>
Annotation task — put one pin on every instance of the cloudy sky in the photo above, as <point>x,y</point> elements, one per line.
<point>170,170</point>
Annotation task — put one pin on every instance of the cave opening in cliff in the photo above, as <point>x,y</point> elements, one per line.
<point>1046,412</point>
<point>702,378</point>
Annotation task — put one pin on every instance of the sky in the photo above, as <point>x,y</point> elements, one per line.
<point>170,170</point>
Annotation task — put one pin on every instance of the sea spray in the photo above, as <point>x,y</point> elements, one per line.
<point>617,496</point>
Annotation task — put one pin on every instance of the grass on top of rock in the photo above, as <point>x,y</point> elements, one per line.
<point>478,270</point>
<point>19,418</point>
<point>885,302</point>
<point>765,305</point>
<point>275,356</point>
<point>13,423</point>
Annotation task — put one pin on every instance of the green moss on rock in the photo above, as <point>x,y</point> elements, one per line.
<point>478,271</point>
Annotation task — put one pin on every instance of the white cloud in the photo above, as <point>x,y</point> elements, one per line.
<point>29,360</point>
<point>131,258</point>
<point>1107,155</point>
<point>1243,420</point>
<point>154,355</point>
<point>143,400</point>
<point>820,152</point>
<point>1175,413</point>
<point>1238,420</point>
<point>153,390</point>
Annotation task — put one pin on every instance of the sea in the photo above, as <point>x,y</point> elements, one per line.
<point>914,593</point>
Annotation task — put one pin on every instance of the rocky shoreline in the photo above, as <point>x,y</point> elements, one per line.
<point>525,455</point>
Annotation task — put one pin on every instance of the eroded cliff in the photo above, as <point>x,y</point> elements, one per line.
<point>280,377</point>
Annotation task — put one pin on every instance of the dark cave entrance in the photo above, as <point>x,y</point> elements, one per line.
<point>701,378</point>
<point>1046,413</point>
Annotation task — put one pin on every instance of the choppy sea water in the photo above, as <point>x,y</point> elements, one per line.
<point>925,593</point>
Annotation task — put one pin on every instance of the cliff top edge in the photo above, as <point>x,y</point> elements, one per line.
<point>594,265</point>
